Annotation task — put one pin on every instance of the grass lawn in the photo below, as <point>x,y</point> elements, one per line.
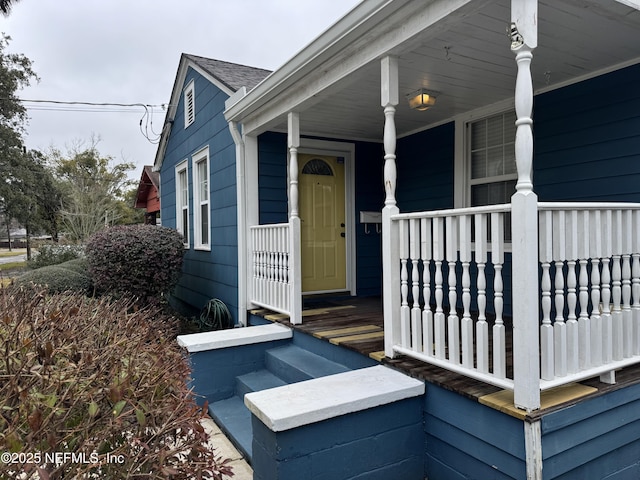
<point>13,253</point>
<point>8,271</point>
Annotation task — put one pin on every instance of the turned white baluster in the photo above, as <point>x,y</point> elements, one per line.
<point>497,258</point>
<point>605,278</point>
<point>606,317</point>
<point>595,252</point>
<point>466,326</point>
<point>635,282</point>
<point>256,265</point>
<point>405,326</point>
<point>584,323</point>
<point>616,290</point>
<point>272,266</point>
<point>416,320</point>
<point>281,285</point>
<point>627,315</point>
<point>546,329</point>
<point>482,327</point>
<point>453,322</point>
<point>572,285</point>
<point>559,327</point>
<point>438,318</point>
<point>427,314</point>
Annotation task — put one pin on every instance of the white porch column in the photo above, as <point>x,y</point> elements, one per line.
<point>295,260</point>
<point>524,214</point>
<point>251,214</point>
<point>390,232</point>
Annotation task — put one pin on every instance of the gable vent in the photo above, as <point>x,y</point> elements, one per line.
<point>189,105</point>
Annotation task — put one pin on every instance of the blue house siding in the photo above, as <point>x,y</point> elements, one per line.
<point>272,171</point>
<point>206,274</point>
<point>594,438</point>
<point>467,440</point>
<point>425,170</point>
<point>587,140</point>
<point>369,185</point>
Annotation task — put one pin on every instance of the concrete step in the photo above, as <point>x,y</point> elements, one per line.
<point>294,364</point>
<point>257,381</point>
<point>234,419</point>
<point>284,365</point>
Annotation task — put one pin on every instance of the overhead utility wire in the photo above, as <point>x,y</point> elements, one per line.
<point>147,117</point>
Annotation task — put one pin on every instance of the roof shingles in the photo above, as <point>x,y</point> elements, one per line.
<point>233,75</point>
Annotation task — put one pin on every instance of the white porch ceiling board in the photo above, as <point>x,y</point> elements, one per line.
<point>576,37</point>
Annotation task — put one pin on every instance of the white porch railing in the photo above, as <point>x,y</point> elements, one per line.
<point>589,288</point>
<point>275,268</point>
<point>438,254</point>
<point>271,259</point>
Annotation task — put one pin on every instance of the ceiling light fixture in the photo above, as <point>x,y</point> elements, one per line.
<point>421,99</point>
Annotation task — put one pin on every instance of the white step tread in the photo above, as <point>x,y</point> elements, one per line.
<point>311,401</point>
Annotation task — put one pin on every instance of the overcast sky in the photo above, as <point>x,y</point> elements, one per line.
<point>127,51</point>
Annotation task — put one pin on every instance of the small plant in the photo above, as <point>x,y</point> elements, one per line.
<point>54,254</point>
<point>56,279</point>
<point>96,388</point>
<point>144,261</point>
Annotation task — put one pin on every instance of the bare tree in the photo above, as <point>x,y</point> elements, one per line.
<point>5,6</point>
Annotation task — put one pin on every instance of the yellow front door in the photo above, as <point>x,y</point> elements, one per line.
<point>322,215</point>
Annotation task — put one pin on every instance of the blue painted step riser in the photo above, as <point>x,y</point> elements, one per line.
<point>256,381</point>
<point>294,364</point>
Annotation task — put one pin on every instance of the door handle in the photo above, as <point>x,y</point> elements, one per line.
<point>343,235</point>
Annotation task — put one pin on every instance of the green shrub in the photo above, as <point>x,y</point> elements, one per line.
<point>56,279</point>
<point>54,254</point>
<point>99,378</point>
<point>78,265</point>
<point>139,260</point>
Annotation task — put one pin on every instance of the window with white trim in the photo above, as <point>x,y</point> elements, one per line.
<point>202,212</point>
<point>182,201</point>
<point>492,160</point>
<point>189,104</point>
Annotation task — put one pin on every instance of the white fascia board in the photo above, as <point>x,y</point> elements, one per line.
<point>349,45</point>
<point>323,43</point>
<point>630,3</point>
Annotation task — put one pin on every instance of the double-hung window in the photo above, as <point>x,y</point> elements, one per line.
<point>202,212</point>
<point>485,168</point>
<point>182,201</point>
<point>492,169</point>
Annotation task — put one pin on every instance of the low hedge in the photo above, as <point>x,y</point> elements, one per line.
<point>56,279</point>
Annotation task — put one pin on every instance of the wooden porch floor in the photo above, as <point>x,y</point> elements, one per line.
<point>356,323</point>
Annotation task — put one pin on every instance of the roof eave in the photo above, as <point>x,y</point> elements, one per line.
<point>327,42</point>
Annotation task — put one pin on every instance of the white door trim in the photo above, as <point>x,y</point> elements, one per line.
<point>346,150</point>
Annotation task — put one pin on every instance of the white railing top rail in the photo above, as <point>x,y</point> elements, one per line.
<point>269,225</point>
<point>450,212</point>
<point>587,206</point>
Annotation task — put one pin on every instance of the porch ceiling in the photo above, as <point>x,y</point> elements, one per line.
<point>470,65</point>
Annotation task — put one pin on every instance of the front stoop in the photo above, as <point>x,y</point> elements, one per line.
<point>308,414</point>
<point>364,424</point>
